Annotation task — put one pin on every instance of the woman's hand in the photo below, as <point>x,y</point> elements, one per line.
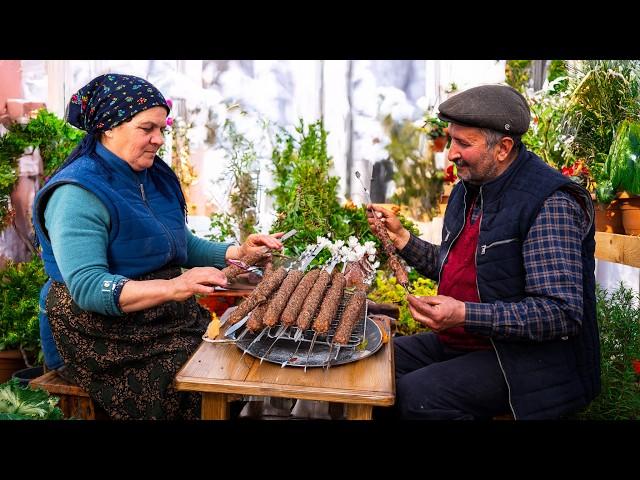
<point>256,242</point>
<point>397,233</point>
<point>196,280</point>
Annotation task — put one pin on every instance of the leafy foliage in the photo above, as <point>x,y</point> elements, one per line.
<point>243,169</point>
<point>557,74</point>
<point>434,127</point>
<point>387,290</point>
<point>544,137</point>
<point>622,163</point>
<point>55,138</point>
<point>619,324</point>
<point>222,228</point>
<point>20,403</point>
<point>603,93</point>
<point>305,196</point>
<point>20,285</point>
<point>518,74</point>
<point>418,182</point>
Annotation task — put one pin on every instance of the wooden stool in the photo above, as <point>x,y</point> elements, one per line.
<point>504,416</point>
<point>74,401</point>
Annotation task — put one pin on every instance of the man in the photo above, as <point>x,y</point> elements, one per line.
<point>514,322</point>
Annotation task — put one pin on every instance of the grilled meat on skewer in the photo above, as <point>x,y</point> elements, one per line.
<point>291,311</point>
<point>260,294</point>
<point>232,271</point>
<point>353,312</point>
<point>313,300</point>
<point>255,322</point>
<point>381,233</point>
<point>330,303</point>
<point>282,296</point>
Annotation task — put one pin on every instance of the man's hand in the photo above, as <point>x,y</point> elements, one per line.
<point>397,233</point>
<point>438,313</point>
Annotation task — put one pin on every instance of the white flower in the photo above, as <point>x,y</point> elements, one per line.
<point>371,258</point>
<point>353,241</point>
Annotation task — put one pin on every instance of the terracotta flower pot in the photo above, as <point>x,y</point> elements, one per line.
<point>10,361</point>
<point>630,208</point>
<point>439,143</point>
<point>609,217</point>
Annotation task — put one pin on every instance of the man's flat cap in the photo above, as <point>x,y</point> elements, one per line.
<point>497,107</point>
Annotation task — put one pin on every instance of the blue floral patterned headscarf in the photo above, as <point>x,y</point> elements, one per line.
<point>110,99</point>
<point>104,103</point>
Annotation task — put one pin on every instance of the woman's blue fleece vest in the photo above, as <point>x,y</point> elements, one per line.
<point>147,228</point>
<point>545,379</point>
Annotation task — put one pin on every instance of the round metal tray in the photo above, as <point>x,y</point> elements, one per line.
<point>295,353</point>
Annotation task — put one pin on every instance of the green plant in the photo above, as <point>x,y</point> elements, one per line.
<point>619,325</point>
<point>544,137</point>
<point>55,138</point>
<point>387,290</point>
<point>20,285</point>
<point>518,73</point>
<point>622,162</point>
<point>243,169</point>
<point>306,195</point>
<point>221,228</point>
<point>602,94</point>
<point>418,182</point>
<point>557,76</point>
<point>20,403</point>
<point>434,127</point>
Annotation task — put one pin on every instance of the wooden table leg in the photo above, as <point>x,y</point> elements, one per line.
<point>358,411</point>
<point>215,406</point>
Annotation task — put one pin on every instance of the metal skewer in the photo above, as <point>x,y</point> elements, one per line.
<point>313,341</point>
<point>284,364</point>
<point>254,341</point>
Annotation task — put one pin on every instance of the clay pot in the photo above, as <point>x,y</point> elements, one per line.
<point>608,217</point>
<point>439,143</point>
<point>10,361</point>
<point>630,208</point>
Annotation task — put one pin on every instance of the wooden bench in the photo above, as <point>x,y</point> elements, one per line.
<point>74,401</point>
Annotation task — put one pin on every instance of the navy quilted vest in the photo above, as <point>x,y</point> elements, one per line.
<point>147,228</point>
<point>545,379</point>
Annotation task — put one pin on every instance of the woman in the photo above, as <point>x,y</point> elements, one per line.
<point>111,223</point>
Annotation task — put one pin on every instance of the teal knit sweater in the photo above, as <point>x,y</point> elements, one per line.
<point>78,225</point>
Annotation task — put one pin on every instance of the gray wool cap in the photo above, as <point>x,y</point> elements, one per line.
<point>498,107</point>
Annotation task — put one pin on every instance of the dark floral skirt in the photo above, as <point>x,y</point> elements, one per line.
<point>127,364</point>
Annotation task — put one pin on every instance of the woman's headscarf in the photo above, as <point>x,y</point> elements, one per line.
<point>104,103</point>
<point>107,101</point>
<point>110,99</point>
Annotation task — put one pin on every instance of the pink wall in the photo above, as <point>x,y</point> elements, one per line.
<point>10,82</point>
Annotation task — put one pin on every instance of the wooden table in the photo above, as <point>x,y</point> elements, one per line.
<point>217,371</point>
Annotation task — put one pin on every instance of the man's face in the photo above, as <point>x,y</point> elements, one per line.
<point>475,162</point>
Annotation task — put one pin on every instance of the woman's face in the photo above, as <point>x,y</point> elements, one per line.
<point>138,140</point>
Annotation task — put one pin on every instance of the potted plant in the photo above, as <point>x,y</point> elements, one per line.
<point>436,130</point>
<point>417,180</point>
<point>622,166</point>
<point>20,285</point>
<point>601,109</point>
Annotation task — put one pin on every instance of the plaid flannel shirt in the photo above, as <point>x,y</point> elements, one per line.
<point>552,306</point>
